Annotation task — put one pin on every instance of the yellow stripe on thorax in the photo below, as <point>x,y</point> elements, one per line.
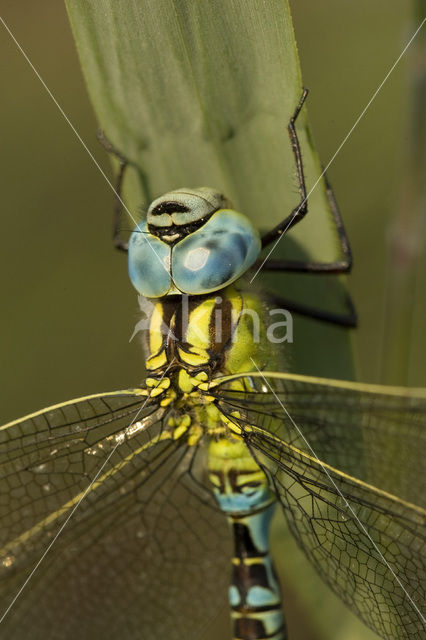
<point>157,354</point>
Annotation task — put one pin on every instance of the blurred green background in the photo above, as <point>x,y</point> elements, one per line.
<point>68,308</point>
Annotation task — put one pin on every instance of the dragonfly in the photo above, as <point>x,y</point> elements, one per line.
<point>129,514</point>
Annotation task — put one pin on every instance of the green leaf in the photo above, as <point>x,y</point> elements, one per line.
<point>200,93</point>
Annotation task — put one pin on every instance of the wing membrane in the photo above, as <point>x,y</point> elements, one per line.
<point>377,434</point>
<point>367,543</point>
<point>48,459</point>
<point>137,547</point>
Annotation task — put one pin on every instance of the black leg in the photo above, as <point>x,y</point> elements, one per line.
<point>349,319</point>
<point>343,265</point>
<point>300,211</point>
<point>118,202</point>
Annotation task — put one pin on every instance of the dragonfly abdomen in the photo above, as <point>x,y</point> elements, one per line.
<point>254,594</point>
<point>242,492</point>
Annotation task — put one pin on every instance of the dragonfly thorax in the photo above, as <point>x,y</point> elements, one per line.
<point>190,243</point>
<point>195,339</point>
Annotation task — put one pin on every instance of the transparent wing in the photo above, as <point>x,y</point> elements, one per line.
<point>335,453</point>
<point>372,432</point>
<point>134,532</point>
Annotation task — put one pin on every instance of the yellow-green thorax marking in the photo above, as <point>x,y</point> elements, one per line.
<point>192,340</point>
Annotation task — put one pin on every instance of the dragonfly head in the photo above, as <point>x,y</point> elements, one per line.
<point>190,243</point>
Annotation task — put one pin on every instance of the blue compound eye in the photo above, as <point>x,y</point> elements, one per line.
<point>149,263</point>
<point>190,244</point>
<point>216,254</point>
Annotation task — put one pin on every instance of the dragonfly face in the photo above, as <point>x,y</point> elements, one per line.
<point>182,211</point>
<point>190,243</point>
